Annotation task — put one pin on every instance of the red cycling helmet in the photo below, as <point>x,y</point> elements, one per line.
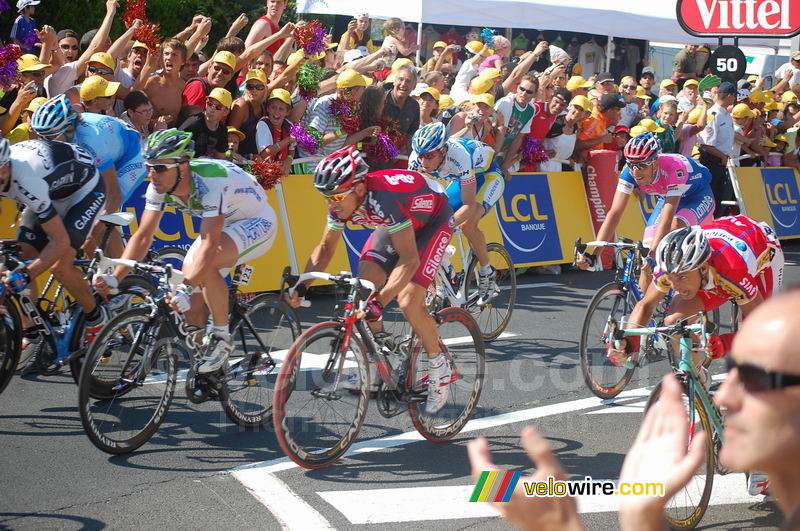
<point>642,148</point>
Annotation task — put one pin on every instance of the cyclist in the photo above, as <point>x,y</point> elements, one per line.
<point>414,225</point>
<point>62,193</point>
<point>477,185</point>
<point>238,225</point>
<point>682,185</point>
<point>116,147</point>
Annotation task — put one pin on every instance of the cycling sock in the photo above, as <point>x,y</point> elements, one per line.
<point>94,315</point>
<point>485,270</point>
<point>221,332</point>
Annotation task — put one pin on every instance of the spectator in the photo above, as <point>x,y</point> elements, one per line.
<point>97,95</point>
<point>137,57</point>
<point>165,88</point>
<point>742,119</point>
<point>23,31</point>
<point>605,84</point>
<point>439,49</point>
<point>630,114</point>
<point>223,65</point>
<point>469,70</point>
<point>688,96</point>
<point>596,130</point>
<point>560,141</point>
<point>268,25</point>
<point>401,109</point>
<point>68,43</point>
<point>790,71</point>
<point>517,112</point>
<point>502,49</point>
<point>23,131</point>
<point>249,109</point>
<point>546,113</point>
<point>358,34</point>
<point>208,130</point>
<point>191,67</point>
<point>648,81</point>
<point>273,135</point>
<point>579,86</point>
<point>687,133</point>
<point>235,138</point>
<point>667,118</point>
<point>138,112</point>
<point>17,99</point>
<point>394,38</point>
<point>716,144</point>
<point>30,70</point>
<point>428,100</point>
<point>436,80</point>
<point>685,64</point>
<point>643,99</point>
<point>667,88</point>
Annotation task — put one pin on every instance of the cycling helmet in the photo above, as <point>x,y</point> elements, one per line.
<point>341,167</point>
<point>429,138</point>
<point>53,117</point>
<point>169,144</point>
<point>5,152</point>
<point>683,250</point>
<point>642,148</point>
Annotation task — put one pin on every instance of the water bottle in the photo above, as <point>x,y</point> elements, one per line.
<point>446,261</point>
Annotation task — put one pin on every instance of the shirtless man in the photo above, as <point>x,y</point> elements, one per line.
<point>165,89</point>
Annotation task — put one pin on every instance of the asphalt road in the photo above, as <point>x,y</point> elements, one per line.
<point>200,470</point>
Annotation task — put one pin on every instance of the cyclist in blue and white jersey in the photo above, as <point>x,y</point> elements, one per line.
<point>477,184</point>
<point>116,147</point>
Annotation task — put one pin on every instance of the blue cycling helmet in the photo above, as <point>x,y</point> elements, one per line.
<point>642,148</point>
<point>53,117</point>
<point>429,138</point>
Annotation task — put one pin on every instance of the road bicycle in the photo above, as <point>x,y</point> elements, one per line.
<point>323,387</point>
<point>460,288</point>
<point>136,359</point>
<point>687,507</point>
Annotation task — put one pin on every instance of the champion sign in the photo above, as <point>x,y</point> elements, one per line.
<point>744,18</point>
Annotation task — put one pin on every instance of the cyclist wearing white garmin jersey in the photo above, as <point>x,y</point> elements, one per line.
<point>116,147</point>
<point>237,226</point>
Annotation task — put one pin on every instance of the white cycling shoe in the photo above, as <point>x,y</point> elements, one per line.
<point>438,384</point>
<point>217,353</point>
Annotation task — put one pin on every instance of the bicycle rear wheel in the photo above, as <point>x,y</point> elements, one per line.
<point>494,316</point>
<point>136,394</point>
<point>461,340</point>
<point>261,338</point>
<point>687,507</point>
<point>604,379</point>
<point>321,396</point>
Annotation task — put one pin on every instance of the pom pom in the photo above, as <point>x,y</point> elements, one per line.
<point>266,172</point>
<point>310,37</point>
<point>307,141</point>
<point>308,77</point>
<point>487,36</point>
<point>383,150</point>
<point>348,115</point>
<point>4,6</point>
<point>8,65</point>
<point>146,32</point>
<point>31,40</point>
<point>533,151</point>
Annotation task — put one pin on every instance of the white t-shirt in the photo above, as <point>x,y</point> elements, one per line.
<point>719,130</point>
<point>592,57</point>
<point>61,80</point>
<point>628,114</point>
<point>779,73</point>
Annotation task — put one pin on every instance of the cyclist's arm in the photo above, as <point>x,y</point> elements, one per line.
<point>609,226</point>
<point>405,244</point>
<point>665,223</point>
<point>57,246</point>
<point>644,309</point>
<point>204,260</point>
<point>323,253</point>
<point>113,193</point>
<point>140,242</point>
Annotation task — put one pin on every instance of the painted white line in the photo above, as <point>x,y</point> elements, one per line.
<point>636,407</point>
<point>539,285</point>
<point>452,502</point>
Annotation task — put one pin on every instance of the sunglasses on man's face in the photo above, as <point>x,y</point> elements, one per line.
<point>338,197</point>
<point>526,91</point>
<point>254,87</point>
<point>161,168</point>
<point>757,380</point>
<point>629,87</point>
<point>99,71</point>
<point>641,165</point>
<point>214,106</point>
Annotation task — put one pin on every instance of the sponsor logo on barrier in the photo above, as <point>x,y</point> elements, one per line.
<point>594,194</point>
<point>648,204</point>
<point>769,18</point>
<point>355,236</point>
<point>780,188</point>
<point>527,220</point>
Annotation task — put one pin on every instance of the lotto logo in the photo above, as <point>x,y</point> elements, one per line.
<point>422,203</point>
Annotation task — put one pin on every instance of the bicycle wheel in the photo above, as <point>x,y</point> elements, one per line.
<point>132,292</point>
<point>138,394</point>
<point>321,396</point>
<point>494,316</point>
<point>461,340</point>
<point>266,332</point>
<point>604,379</point>
<point>687,507</point>
<point>10,342</point>
<point>171,255</point>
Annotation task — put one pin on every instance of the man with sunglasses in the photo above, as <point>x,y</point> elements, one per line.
<point>238,225</point>
<point>209,134</point>
<point>414,225</point>
<point>223,65</point>
<point>477,183</point>
<point>682,185</point>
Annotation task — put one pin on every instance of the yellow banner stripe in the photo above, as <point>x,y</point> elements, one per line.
<point>487,486</point>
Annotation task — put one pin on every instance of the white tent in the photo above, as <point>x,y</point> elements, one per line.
<point>651,20</point>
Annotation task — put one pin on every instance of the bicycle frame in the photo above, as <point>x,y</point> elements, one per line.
<point>458,298</point>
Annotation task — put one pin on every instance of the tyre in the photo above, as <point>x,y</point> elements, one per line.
<point>171,255</point>
<point>494,316</point>
<point>462,341</point>
<point>321,396</point>
<point>604,379</point>
<point>261,339</point>
<point>10,342</point>
<point>687,507</point>
<point>133,290</point>
<point>139,374</point>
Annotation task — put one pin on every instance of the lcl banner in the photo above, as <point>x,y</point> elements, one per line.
<point>600,179</point>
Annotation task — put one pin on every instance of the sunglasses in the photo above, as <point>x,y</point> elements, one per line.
<point>161,168</point>
<point>756,380</point>
<point>255,87</point>
<point>214,106</point>
<point>99,71</point>
<point>526,91</point>
<point>429,155</point>
<point>338,198</point>
<point>629,87</point>
<point>641,165</point>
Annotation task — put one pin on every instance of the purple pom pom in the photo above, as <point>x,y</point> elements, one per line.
<point>305,140</point>
<point>533,151</point>
<point>8,65</point>
<point>4,6</point>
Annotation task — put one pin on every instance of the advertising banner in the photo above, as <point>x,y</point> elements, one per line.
<point>600,181</point>
<point>771,195</point>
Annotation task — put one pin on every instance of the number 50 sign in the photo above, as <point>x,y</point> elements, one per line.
<point>729,63</point>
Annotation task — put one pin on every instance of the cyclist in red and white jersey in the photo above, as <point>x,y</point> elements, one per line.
<point>413,225</point>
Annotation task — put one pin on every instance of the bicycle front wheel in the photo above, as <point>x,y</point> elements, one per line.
<point>494,316</point>
<point>604,379</point>
<point>138,374</point>
<point>10,341</point>
<point>263,335</point>
<point>321,396</point>
<point>461,340</point>
<point>687,507</point>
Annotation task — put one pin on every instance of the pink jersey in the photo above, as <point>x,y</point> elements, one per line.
<point>675,176</point>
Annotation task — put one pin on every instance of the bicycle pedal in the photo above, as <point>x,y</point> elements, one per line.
<point>104,359</point>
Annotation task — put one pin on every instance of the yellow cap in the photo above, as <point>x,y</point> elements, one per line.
<point>788,96</point>
<point>757,96</point>
<point>691,82</point>
<point>642,93</point>
<point>638,130</point>
<point>140,44</point>
<point>234,131</point>
<point>480,84</point>
<point>694,116</point>
<point>445,101</point>
<point>223,96</point>
<point>770,106</point>
<point>667,83</point>
<point>35,104</point>
<point>578,82</point>
<point>104,59</point>
<point>491,73</point>
<point>94,87</point>
<point>439,44</point>
<point>752,78</point>
<point>256,74</point>
<point>476,46</point>
<point>226,58</point>
<point>741,110</point>
<point>782,138</point>
<point>30,63</point>
<point>651,126</point>
<point>486,98</point>
<point>349,78</point>
<point>767,142</point>
<point>577,69</point>
<point>281,94</point>
<point>583,102</point>
<point>296,57</point>
<point>433,91</point>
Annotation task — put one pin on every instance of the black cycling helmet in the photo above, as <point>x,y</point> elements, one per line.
<point>343,166</point>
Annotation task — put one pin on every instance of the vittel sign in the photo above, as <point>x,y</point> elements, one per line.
<point>740,18</point>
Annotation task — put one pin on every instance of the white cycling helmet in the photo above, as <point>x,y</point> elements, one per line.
<point>683,250</point>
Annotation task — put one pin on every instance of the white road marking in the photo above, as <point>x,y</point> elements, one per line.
<point>291,511</point>
<point>377,506</point>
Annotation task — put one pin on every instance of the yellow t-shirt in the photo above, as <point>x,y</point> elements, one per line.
<point>20,133</point>
<point>354,38</point>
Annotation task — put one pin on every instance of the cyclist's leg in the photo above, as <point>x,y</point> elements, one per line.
<point>377,260</point>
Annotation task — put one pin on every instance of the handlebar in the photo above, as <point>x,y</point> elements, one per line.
<point>342,279</point>
<point>172,276</point>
